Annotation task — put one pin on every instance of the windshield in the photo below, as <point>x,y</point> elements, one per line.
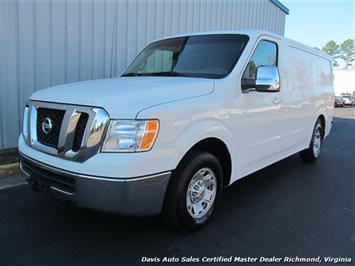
<point>208,56</point>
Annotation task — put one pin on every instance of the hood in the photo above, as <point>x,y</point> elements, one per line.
<point>124,97</point>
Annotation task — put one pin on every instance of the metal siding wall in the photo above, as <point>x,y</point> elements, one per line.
<point>10,118</point>
<point>46,43</point>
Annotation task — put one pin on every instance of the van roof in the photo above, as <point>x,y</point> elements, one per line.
<point>255,33</point>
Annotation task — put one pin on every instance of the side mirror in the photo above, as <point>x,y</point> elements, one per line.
<point>267,79</point>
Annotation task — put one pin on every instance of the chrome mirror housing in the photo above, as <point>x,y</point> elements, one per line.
<point>267,79</point>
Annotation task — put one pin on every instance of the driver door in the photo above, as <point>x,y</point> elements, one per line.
<point>261,126</point>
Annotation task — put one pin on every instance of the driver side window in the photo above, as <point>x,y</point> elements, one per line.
<point>265,54</point>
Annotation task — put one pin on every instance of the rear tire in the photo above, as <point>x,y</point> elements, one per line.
<point>312,153</point>
<point>194,191</point>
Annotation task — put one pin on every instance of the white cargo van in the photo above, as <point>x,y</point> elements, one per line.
<point>191,115</point>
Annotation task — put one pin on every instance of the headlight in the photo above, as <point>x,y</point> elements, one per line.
<point>130,135</point>
<point>25,123</point>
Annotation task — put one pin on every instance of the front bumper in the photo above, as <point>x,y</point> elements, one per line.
<point>132,196</point>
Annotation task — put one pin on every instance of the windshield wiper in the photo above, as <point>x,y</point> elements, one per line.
<point>130,74</point>
<point>164,74</point>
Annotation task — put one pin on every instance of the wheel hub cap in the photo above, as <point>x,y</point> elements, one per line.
<point>317,142</point>
<point>201,192</point>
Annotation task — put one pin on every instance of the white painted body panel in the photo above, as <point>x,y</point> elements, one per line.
<point>123,97</point>
<point>256,131</point>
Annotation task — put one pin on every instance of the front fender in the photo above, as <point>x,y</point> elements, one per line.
<point>185,123</point>
<point>198,131</point>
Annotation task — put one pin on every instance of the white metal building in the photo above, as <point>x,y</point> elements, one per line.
<point>45,43</point>
<point>344,82</point>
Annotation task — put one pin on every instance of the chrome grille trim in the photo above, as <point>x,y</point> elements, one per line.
<point>72,124</point>
<point>93,135</point>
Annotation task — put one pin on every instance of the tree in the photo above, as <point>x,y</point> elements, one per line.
<point>347,52</point>
<point>333,50</point>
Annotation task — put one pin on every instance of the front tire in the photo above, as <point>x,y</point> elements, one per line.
<point>312,153</point>
<point>194,190</point>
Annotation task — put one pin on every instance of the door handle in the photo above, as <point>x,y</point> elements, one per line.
<point>276,101</point>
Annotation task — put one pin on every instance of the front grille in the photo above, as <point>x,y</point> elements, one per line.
<point>79,132</point>
<point>56,116</point>
<point>60,129</point>
<point>48,178</point>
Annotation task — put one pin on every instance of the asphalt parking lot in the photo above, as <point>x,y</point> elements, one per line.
<point>288,209</point>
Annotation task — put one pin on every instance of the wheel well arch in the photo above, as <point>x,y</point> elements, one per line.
<point>219,149</point>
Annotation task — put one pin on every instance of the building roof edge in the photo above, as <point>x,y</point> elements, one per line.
<point>281,6</point>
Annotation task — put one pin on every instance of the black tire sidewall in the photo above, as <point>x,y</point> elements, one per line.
<point>198,161</point>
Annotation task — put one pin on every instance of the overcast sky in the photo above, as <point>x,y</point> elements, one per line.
<point>315,22</point>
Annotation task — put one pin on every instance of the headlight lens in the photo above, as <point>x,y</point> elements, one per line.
<point>25,123</point>
<point>130,135</point>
